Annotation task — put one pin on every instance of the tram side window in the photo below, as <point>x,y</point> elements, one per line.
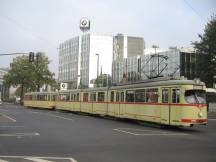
<point>165,96</point>
<point>62,97</point>
<point>77,97</point>
<point>130,96</point>
<point>140,95</point>
<point>74,97</point>
<point>117,97</point>
<point>112,96</point>
<point>67,97</point>
<point>93,97</point>
<point>85,97</point>
<point>101,96</point>
<point>152,95</point>
<point>53,97</point>
<point>48,97</point>
<point>43,97</point>
<point>175,96</point>
<point>122,97</point>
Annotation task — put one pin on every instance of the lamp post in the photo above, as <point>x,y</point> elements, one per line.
<point>97,67</point>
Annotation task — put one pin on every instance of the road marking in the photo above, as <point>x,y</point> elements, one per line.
<point>11,126</point>
<point>1,160</point>
<point>39,158</point>
<point>4,110</point>
<point>34,112</point>
<point>19,135</point>
<point>147,132</point>
<point>8,117</point>
<point>60,117</point>
<point>57,116</point>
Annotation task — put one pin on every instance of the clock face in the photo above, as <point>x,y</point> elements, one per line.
<point>84,22</point>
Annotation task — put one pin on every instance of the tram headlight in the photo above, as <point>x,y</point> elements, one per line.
<point>200,114</point>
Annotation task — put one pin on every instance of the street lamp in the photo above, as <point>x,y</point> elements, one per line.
<point>97,67</point>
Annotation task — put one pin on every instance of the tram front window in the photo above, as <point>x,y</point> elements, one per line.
<point>195,97</point>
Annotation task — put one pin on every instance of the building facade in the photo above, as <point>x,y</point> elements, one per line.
<point>173,62</point>
<point>127,46</point>
<point>84,57</point>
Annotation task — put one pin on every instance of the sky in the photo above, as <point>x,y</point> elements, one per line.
<point>41,25</point>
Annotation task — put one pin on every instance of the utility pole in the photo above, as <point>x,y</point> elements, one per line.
<point>155,47</point>
<point>97,67</point>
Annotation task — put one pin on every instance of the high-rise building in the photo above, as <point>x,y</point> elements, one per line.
<point>127,46</point>
<point>84,57</point>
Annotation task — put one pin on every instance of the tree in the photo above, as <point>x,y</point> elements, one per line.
<point>206,53</point>
<point>29,76</point>
<point>42,75</point>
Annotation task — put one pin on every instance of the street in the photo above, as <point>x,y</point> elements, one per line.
<point>55,136</point>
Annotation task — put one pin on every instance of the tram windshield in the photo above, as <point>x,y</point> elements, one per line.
<point>195,96</point>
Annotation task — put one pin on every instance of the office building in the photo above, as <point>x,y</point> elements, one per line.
<point>127,46</point>
<point>173,62</point>
<point>84,57</point>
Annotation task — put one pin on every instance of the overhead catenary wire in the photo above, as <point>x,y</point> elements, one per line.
<point>194,10</point>
<point>27,29</point>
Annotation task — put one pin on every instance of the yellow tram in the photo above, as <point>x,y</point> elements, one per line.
<point>175,102</point>
<point>40,100</point>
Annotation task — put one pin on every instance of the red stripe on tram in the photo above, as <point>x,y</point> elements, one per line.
<point>194,120</point>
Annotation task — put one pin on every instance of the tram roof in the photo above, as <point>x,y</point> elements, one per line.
<point>50,92</point>
<point>163,82</point>
<point>141,84</point>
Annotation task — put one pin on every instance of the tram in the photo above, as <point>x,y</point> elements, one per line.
<point>174,102</point>
<point>44,100</point>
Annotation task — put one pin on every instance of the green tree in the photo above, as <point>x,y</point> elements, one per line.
<point>206,53</point>
<point>29,76</point>
<point>42,75</point>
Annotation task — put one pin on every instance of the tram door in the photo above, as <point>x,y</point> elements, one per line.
<point>166,105</point>
<point>119,109</point>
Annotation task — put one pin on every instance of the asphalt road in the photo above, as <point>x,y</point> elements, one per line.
<point>56,136</point>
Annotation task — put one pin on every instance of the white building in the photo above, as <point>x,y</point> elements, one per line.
<point>78,60</point>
